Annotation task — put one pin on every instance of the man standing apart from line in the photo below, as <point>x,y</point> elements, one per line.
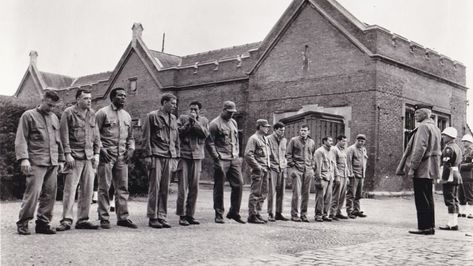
<point>422,158</point>
<point>160,145</point>
<point>81,141</point>
<point>257,158</point>
<point>356,161</point>
<point>223,147</point>
<point>118,145</point>
<point>277,176</point>
<point>38,148</point>
<point>324,171</point>
<point>339,189</point>
<point>193,131</point>
<point>300,159</point>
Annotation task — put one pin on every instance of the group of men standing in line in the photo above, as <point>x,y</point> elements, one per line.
<point>83,143</point>
<point>426,162</point>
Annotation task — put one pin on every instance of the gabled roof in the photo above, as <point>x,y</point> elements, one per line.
<point>91,79</point>
<point>166,60</point>
<point>224,53</point>
<point>56,81</point>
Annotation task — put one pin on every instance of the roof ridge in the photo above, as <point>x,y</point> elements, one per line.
<point>222,49</point>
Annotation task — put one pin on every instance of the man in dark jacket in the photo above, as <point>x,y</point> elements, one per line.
<point>422,158</point>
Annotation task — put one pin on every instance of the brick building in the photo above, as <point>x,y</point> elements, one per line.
<point>318,65</point>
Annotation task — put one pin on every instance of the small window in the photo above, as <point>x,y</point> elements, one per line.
<point>132,85</point>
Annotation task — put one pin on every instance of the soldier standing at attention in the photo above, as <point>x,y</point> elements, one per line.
<point>38,148</point>
<point>257,158</point>
<point>465,193</point>
<point>118,146</point>
<point>300,159</point>
<point>224,149</point>
<point>161,145</point>
<point>193,131</point>
<point>451,178</point>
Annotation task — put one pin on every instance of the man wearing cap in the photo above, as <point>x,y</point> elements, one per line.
<point>257,158</point>
<point>222,145</point>
<point>324,172</point>
<point>193,131</point>
<point>161,146</point>
<point>422,158</point>
<point>277,176</point>
<point>465,192</point>
<point>451,178</point>
<point>300,159</point>
<point>356,161</point>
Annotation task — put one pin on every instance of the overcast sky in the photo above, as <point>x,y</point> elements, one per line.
<point>80,37</point>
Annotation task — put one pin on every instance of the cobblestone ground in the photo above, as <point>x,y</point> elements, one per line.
<point>379,239</point>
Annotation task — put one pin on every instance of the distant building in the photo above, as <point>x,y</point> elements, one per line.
<point>318,65</point>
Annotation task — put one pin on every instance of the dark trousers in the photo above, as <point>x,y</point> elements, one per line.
<point>465,192</point>
<point>450,197</point>
<point>231,169</point>
<point>424,203</point>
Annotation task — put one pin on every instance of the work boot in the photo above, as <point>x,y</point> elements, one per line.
<point>183,221</point>
<point>153,223</point>
<point>191,220</point>
<point>280,217</point>
<point>219,219</point>
<point>23,229</point>
<point>253,219</point>
<point>261,218</point>
<point>271,218</point>
<point>86,225</point>
<point>235,217</point>
<point>164,223</point>
<point>44,228</point>
<point>105,224</point>
<point>63,227</point>
<point>127,223</point>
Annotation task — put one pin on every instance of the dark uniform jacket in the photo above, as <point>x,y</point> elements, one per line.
<point>451,159</point>
<point>466,166</point>
<point>37,138</point>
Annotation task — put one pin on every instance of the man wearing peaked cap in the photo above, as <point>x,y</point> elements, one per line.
<point>222,145</point>
<point>257,157</point>
<point>423,163</point>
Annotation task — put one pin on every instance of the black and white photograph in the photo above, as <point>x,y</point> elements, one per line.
<point>249,132</point>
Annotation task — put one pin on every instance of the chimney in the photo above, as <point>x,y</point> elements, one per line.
<point>33,57</point>
<point>137,30</point>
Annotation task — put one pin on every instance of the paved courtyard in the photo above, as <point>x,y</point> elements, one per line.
<point>379,239</point>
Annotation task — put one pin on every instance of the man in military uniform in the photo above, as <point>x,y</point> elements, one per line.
<point>422,158</point>
<point>465,192</point>
<point>222,145</point>
<point>118,146</point>
<point>451,178</point>
<point>193,131</point>
<point>257,158</point>
<point>81,142</point>
<point>161,145</point>
<point>39,150</point>
<point>277,176</point>
<point>300,159</point>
